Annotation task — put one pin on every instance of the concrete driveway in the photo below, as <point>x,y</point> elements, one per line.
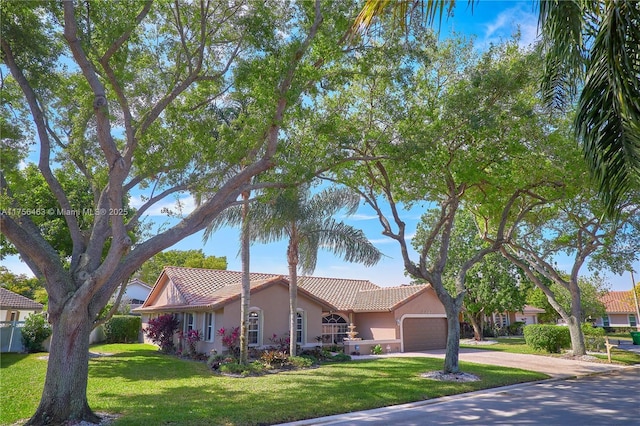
<point>553,366</point>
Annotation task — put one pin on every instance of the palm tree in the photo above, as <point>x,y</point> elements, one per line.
<point>591,52</point>
<point>307,222</point>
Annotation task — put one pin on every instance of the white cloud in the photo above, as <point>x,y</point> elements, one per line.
<point>183,205</point>
<point>507,23</point>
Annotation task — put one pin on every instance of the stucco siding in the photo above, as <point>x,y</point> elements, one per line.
<point>375,325</point>
<point>426,303</point>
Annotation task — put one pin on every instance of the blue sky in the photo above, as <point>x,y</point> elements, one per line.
<point>491,22</point>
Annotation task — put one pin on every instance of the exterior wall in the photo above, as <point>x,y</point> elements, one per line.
<point>425,304</point>
<point>365,347</point>
<point>273,305</point>
<point>5,313</point>
<point>169,295</point>
<point>136,291</point>
<point>375,325</point>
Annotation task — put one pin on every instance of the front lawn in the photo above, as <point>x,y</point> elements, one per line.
<point>518,346</point>
<point>146,387</point>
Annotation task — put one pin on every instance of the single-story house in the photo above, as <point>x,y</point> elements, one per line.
<point>330,310</point>
<point>528,315</point>
<point>15,307</point>
<point>620,310</point>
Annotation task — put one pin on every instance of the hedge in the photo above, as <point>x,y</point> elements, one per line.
<point>547,337</point>
<point>123,329</point>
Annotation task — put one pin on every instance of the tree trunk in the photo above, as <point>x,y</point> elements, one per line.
<point>292,256</point>
<point>246,281</point>
<point>64,397</point>
<point>453,338</point>
<point>476,323</point>
<point>575,322</point>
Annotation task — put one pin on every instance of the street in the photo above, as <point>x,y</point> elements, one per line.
<point>604,399</point>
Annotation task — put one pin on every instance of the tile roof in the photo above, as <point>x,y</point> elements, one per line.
<point>619,302</point>
<point>9,299</point>
<point>386,298</point>
<point>212,288</point>
<point>528,309</point>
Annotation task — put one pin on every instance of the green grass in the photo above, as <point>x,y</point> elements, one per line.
<point>518,346</point>
<point>146,387</point>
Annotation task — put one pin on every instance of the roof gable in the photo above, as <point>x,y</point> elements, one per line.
<point>11,300</point>
<point>386,298</point>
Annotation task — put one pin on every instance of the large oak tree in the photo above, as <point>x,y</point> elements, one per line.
<point>125,93</point>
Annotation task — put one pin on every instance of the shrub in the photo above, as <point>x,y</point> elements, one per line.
<point>191,338</point>
<point>516,328</point>
<point>300,362</point>
<point>161,331</point>
<point>317,354</point>
<point>122,329</point>
<point>274,359</point>
<point>281,343</point>
<point>376,350</point>
<point>35,331</point>
<point>243,369</point>
<point>547,337</point>
<point>341,357</point>
<point>593,338</point>
<point>231,340</point>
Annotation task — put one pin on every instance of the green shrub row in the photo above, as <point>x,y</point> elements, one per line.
<point>123,329</point>
<point>547,337</point>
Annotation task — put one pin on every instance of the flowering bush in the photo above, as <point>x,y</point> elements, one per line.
<point>161,331</point>
<point>191,338</point>
<point>231,340</point>
<point>281,343</point>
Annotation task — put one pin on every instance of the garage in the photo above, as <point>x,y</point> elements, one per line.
<point>421,334</point>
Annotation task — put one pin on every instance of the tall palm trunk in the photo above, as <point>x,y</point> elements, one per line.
<point>246,281</point>
<point>292,258</point>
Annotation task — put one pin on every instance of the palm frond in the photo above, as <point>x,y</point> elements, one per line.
<point>608,119</point>
<point>401,11</point>
<point>563,26</point>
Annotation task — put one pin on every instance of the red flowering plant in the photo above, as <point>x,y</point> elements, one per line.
<point>191,338</point>
<point>161,330</point>
<point>231,340</point>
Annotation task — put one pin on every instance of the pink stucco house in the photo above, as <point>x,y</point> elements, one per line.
<point>620,310</point>
<point>405,318</point>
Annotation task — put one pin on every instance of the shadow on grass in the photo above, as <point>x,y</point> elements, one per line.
<point>287,396</point>
<point>8,359</point>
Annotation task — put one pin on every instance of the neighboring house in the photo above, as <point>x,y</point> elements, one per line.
<point>405,318</point>
<point>14,308</point>
<point>620,310</point>
<point>135,293</point>
<point>528,315</point>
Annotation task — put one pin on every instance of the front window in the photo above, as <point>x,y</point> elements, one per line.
<point>334,329</point>
<point>299,328</point>
<point>632,320</point>
<point>605,321</point>
<point>208,327</point>
<point>188,322</point>
<point>253,328</point>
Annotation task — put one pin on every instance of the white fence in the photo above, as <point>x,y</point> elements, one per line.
<point>11,336</point>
